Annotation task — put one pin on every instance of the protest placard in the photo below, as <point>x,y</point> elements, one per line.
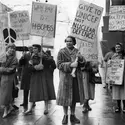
<point>88,50</point>
<point>3,24</point>
<point>19,21</point>
<point>117,18</point>
<point>86,22</point>
<point>115,69</point>
<point>43,19</point>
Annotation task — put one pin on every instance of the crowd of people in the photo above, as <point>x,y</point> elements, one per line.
<point>37,79</point>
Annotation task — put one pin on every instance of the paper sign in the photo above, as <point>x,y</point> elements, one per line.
<point>88,50</point>
<point>117,18</point>
<point>115,69</point>
<point>86,22</point>
<point>43,19</point>
<point>19,21</point>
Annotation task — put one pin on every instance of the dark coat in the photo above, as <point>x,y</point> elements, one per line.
<point>26,73</point>
<point>42,87</point>
<point>65,90</point>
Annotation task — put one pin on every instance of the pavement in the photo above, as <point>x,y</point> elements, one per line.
<point>102,112</point>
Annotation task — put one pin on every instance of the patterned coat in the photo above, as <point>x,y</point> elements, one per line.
<point>64,59</point>
<point>7,72</point>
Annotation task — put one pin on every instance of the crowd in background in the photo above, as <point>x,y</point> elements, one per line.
<point>35,71</point>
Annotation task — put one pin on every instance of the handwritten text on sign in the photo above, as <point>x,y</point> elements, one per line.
<point>88,50</point>
<point>86,21</point>
<point>117,18</point>
<point>19,21</point>
<point>43,19</point>
<point>115,71</point>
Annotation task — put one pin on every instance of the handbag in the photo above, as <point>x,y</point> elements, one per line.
<point>15,92</point>
<point>97,79</point>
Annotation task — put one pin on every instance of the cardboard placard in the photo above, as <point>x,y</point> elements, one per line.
<point>19,21</point>
<point>115,69</point>
<point>43,19</point>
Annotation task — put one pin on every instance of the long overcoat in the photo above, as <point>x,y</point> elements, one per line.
<point>26,73</point>
<point>7,72</point>
<point>41,87</point>
<point>65,90</point>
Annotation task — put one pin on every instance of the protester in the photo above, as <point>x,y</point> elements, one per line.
<point>7,71</point>
<point>89,84</point>
<point>25,75</point>
<point>70,88</point>
<point>118,91</point>
<point>41,88</point>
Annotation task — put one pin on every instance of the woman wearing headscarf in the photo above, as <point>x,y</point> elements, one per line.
<point>70,89</point>
<point>40,90</point>
<point>7,72</point>
<point>118,91</point>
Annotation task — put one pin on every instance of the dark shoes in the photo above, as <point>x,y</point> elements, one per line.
<point>73,119</point>
<point>117,110</point>
<point>65,119</point>
<point>23,104</point>
<point>46,112</point>
<point>86,109</point>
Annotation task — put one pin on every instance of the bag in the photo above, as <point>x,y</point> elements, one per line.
<point>97,79</point>
<point>15,92</point>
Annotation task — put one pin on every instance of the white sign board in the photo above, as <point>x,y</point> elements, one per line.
<point>43,19</point>
<point>86,22</point>
<point>88,50</point>
<point>3,25</point>
<point>115,69</point>
<point>19,21</point>
<point>117,18</point>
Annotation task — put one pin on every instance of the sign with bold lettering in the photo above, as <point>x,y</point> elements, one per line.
<point>117,18</point>
<point>86,22</point>
<point>115,69</point>
<point>43,19</point>
<point>88,50</point>
<point>19,21</point>
<point>3,24</point>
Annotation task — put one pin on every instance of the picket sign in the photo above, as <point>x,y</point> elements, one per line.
<point>115,70</point>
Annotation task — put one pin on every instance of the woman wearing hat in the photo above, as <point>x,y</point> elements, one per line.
<point>7,72</point>
<point>39,85</point>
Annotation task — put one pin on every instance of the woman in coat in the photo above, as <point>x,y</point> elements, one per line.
<point>118,91</point>
<point>25,76</point>
<point>70,88</point>
<point>89,85</point>
<point>7,72</point>
<point>41,88</point>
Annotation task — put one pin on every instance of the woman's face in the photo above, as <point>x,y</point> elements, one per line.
<point>11,51</point>
<point>35,50</point>
<point>69,42</point>
<point>118,48</point>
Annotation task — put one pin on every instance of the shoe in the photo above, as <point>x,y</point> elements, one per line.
<point>45,112</point>
<point>123,110</point>
<point>89,108</point>
<point>15,107</point>
<point>85,109</point>
<point>5,115</point>
<point>28,112</point>
<point>74,119</point>
<point>65,119</point>
<point>117,110</point>
<point>34,104</point>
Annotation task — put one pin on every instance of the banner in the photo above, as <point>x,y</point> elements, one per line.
<point>115,69</point>
<point>88,50</point>
<point>3,25</point>
<point>43,19</point>
<point>117,18</point>
<point>86,22</point>
<point>19,21</point>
